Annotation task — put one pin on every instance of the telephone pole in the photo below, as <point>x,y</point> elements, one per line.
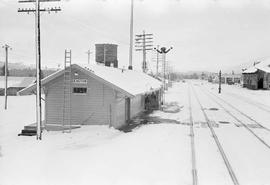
<point>219,84</point>
<point>6,47</point>
<point>131,36</point>
<point>37,11</point>
<point>157,59</point>
<point>88,53</point>
<point>144,43</point>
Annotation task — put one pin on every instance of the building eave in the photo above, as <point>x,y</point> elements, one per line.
<point>103,80</point>
<point>31,88</point>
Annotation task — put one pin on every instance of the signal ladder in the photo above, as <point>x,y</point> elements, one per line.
<point>67,93</point>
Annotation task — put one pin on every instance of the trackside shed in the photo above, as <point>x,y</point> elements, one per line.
<point>99,95</point>
<point>257,76</point>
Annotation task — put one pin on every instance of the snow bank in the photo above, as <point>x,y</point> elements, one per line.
<point>99,155</point>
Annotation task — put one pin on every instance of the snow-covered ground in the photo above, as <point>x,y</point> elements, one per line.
<point>152,154</point>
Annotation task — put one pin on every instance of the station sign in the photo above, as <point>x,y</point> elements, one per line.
<point>80,81</point>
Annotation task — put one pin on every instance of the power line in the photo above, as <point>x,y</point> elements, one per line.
<point>86,26</point>
<point>140,44</point>
<point>131,36</point>
<point>6,47</point>
<point>157,60</point>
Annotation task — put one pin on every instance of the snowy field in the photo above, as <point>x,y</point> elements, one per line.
<point>152,154</point>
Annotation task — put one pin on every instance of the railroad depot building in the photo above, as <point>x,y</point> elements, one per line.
<point>97,95</point>
<point>257,76</point>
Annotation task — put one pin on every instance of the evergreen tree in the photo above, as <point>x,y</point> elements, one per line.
<point>3,72</point>
<point>41,74</point>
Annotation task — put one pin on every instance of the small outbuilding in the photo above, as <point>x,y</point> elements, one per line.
<point>257,76</point>
<point>232,78</point>
<point>98,95</point>
<point>227,79</point>
<point>15,84</point>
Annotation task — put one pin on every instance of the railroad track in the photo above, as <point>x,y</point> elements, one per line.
<point>192,142</point>
<point>238,120</point>
<point>241,112</point>
<point>220,148</point>
<point>251,102</point>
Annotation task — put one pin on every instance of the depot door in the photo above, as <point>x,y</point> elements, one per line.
<point>127,109</point>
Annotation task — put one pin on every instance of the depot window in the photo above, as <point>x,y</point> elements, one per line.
<point>80,90</point>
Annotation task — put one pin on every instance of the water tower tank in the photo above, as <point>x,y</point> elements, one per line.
<point>107,54</point>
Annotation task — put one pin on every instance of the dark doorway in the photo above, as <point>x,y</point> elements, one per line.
<point>152,101</point>
<point>127,109</point>
<point>260,83</point>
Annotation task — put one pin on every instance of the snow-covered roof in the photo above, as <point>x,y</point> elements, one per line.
<point>252,69</point>
<point>16,81</point>
<point>130,82</point>
<point>133,82</point>
<point>262,65</point>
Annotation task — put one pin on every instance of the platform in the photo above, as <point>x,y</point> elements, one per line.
<point>30,130</point>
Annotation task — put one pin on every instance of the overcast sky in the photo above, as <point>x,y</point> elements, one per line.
<point>205,34</point>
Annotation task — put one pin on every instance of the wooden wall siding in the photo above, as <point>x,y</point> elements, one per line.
<point>267,80</point>
<point>100,105</point>
<point>250,80</point>
<point>54,101</point>
<point>120,118</point>
<point>137,105</point>
<point>90,108</point>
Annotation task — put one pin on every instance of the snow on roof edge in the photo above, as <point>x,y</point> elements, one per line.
<point>129,82</point>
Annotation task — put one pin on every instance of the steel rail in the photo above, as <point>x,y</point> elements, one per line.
<point>251,102</point>
<point>238,120</point>
<point>192,142</point>
<point>220,148</point>
<point>244,114</point>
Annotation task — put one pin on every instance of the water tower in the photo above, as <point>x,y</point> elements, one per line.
<point>106,54</point>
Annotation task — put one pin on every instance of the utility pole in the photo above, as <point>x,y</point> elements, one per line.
<point>219,84</point>
<point>131,36</point>
<point>6,47</point>
<point>144,43</point>
<point>37,11</point>
<point>88,53</point>
<point>163,51</point>
<point>157,59</point>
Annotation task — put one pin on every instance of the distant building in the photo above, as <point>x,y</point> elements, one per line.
<point>15,84</point>
<point>99,95</point>
<point>227,79</point>
<point>106,54</point>
<point>257,76</point>
<point>231,78</point>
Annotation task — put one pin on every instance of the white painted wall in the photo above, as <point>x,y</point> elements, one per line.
<point>91,108</point>
<point>120,111</point>
<point>137,105</point>
<point>100,105</point>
